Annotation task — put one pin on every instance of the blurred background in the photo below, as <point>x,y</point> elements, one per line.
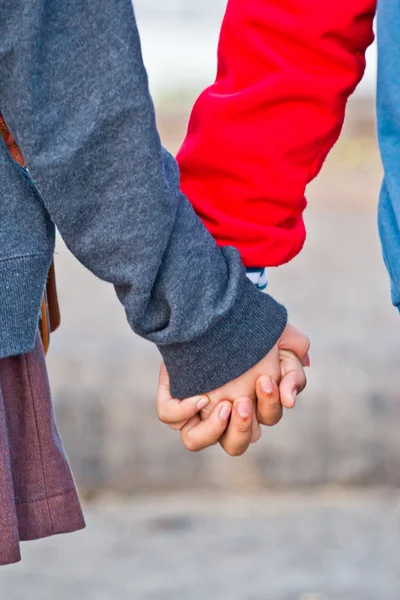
<point>312,512</point>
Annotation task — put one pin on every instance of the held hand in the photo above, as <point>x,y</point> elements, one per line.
<point>293,356</point>
<point>292,351</point>
<point>230,414</point>
<point>294,347</point>
<point>226,415</point>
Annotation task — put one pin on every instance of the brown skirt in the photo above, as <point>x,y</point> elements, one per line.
<point>38,497</point>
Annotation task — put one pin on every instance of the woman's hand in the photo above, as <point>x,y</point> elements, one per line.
<point>232,414</point>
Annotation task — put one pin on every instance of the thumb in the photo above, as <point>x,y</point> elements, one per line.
<point>171,411</point>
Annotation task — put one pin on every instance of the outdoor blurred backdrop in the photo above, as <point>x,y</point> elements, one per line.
<point>312,512</point>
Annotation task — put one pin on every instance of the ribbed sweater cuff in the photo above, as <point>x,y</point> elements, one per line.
<point>231,347</point>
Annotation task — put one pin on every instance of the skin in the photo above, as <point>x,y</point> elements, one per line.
<point>232,414</point>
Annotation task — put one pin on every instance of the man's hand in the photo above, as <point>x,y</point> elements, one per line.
<point>231,414</point>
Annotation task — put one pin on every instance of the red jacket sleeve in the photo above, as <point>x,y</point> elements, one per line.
<point>262,131</point>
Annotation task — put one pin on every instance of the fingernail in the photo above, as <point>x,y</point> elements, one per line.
<point>202,402</point>
<point>307,361</point>
<point>244,409</point>
<point>266,385</point>
<point>225,413</point>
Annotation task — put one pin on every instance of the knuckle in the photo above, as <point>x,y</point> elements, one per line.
<point>303,385</point>
<point>235,451</point>
<point>190,445</point>
<point>271,420</point>
<point>163,416</point>
<point>205,413</point>
<point>306,345</point>
<point>243,428</point>
<point>256,437</point>
<point>272,402</point>
<point>176,426</point>
<point>271,408</point>
<point>300,379</point>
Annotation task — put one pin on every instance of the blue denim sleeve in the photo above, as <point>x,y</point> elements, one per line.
<point>388,106</point>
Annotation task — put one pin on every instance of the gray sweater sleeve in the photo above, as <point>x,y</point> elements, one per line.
<point>74,92</point>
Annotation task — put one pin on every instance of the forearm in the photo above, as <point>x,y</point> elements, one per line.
<point>74,93</point>
<point>262,131</point>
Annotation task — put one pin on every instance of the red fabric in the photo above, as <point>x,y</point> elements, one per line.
<point>262,131</point>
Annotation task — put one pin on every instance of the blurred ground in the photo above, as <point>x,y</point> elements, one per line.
<point>327,545</point>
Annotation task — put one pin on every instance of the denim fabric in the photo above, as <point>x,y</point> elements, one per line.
<point>388,106</point>
<point>74,93</point>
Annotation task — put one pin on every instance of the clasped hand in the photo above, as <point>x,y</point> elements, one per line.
<point>232,414</point>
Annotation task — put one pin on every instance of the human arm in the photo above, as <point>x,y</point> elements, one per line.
<point>74,92</point>
<point>261,132</point>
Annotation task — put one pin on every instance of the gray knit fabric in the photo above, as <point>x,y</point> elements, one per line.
<point>74,92</point>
